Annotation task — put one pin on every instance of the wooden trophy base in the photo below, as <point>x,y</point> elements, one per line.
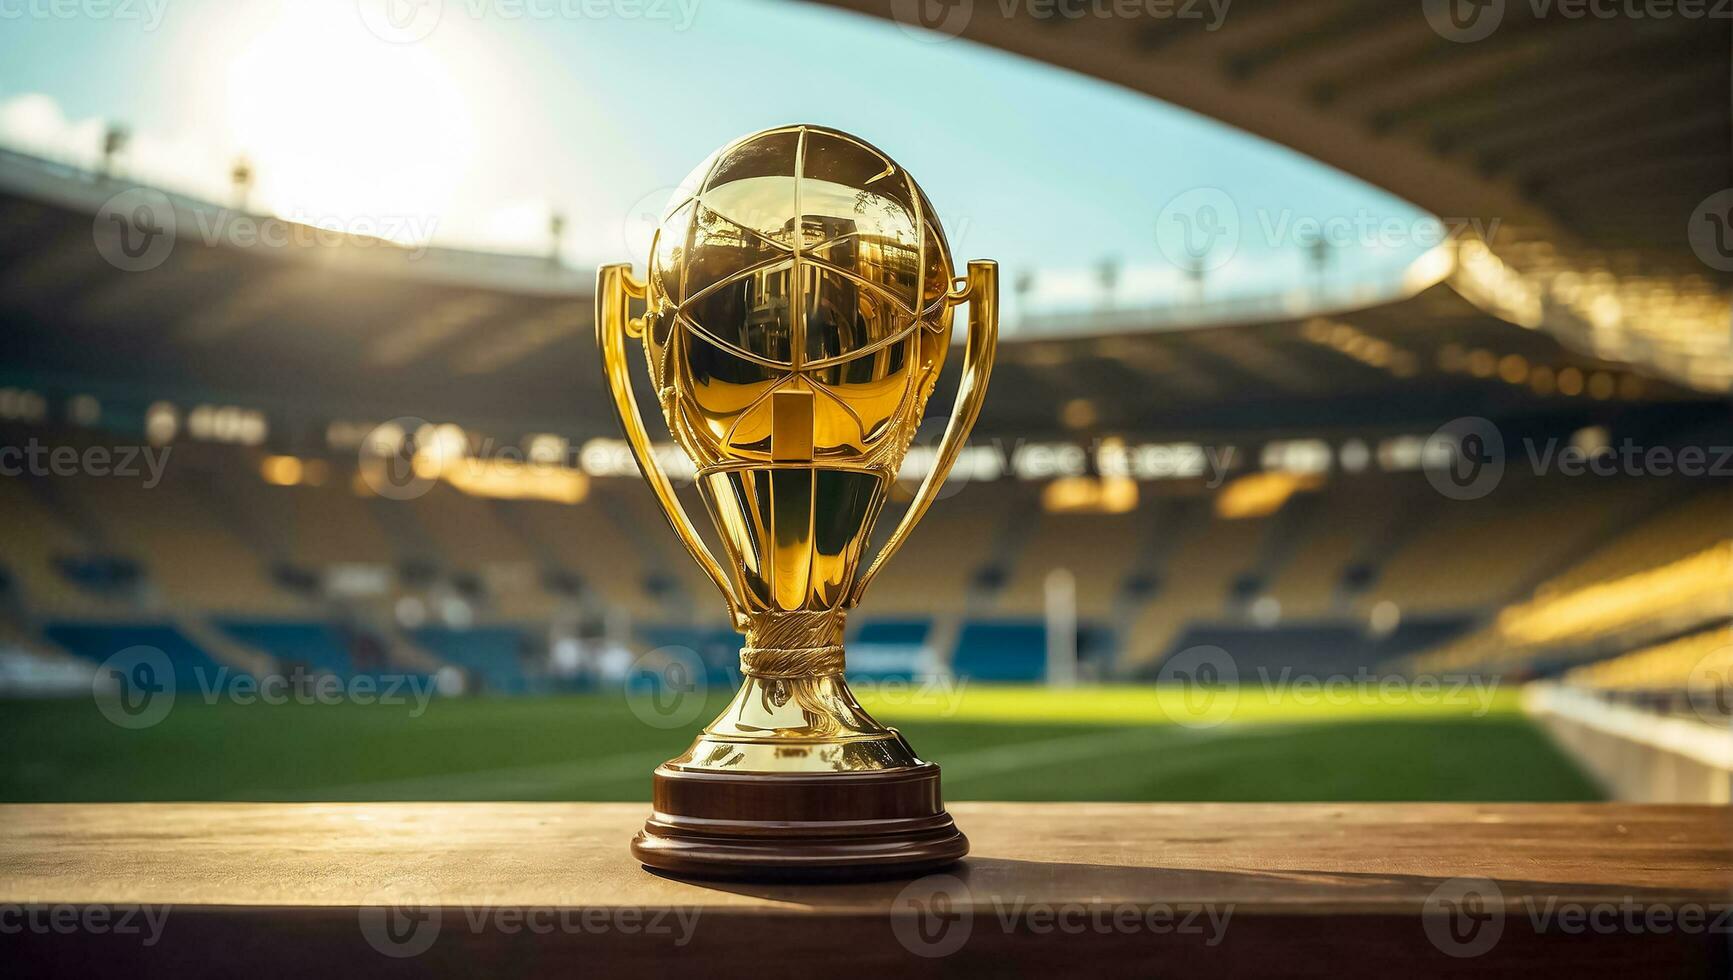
<point>811,826</point>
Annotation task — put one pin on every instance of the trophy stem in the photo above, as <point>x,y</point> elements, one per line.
<point>795,780</point>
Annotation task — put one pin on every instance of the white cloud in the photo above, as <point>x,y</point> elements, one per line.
<point>34,123</point>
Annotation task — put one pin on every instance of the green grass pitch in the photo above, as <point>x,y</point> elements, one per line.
<point>994,743</point>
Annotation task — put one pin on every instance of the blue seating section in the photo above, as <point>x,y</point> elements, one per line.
<point>888,650</point>
<point>1002,652</point>
<point>1311,649</point>
<point>98,642</point>
<point>893,632</point>
<point>315,647</point>
<point>718,648</point>
<point>491,654</point>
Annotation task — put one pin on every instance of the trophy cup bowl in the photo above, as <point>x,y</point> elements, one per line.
<point>796,313</point>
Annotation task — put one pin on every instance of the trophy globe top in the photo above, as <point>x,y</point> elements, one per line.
<point>796,303</point>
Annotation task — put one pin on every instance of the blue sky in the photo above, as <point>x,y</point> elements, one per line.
<point>506,112</point>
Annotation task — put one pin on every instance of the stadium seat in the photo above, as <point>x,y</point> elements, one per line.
<point>891,649</point>
<point>1001,652</point>
<point>718,648</point>
<point>1658,577</point>
<point>193,667</point>
<point>492,656</point>
<point>313,647</point>
<point>1699,665</point>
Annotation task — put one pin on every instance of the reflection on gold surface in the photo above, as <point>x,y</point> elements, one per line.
<point>797,313</point>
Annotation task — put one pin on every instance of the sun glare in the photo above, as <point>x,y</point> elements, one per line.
<point>343,129</point>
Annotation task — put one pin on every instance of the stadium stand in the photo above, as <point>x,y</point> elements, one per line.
<point>1001,651</point>
<point>1341,535</point>
<point>36,542</point>
<point>1098,549</point>
<point>313,647</point>
<point>717,648</point>
<point>1196,583</point>
<point>471,540</point>
<point>492,656</point>
<point>1466,555</point>
<point>1354,571</point>
<point>592,550</point>
<point>98,642</point>
<point>314,527</point>
<point>1692,525</point>
<point>891,650</point>
<point>977,521</point>
<point>1697,666</point>
<point>1661,577</point>
<point>193,562</point>
<point>31,667</point>
<point>670,575</point>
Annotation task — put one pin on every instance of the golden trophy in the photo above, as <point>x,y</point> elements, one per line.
<point>795,316</point>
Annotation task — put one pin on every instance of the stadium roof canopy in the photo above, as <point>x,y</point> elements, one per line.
<point>1605,131</point>
<point>1589,141</point>
<point>329,327</point>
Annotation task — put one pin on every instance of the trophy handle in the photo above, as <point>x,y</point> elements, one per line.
<point>615,289</point>
<point>982,295</point>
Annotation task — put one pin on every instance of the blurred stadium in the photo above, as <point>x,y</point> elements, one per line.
<point>1461,534</point>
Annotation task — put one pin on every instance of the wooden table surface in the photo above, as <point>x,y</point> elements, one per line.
<point>1204,889</point>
